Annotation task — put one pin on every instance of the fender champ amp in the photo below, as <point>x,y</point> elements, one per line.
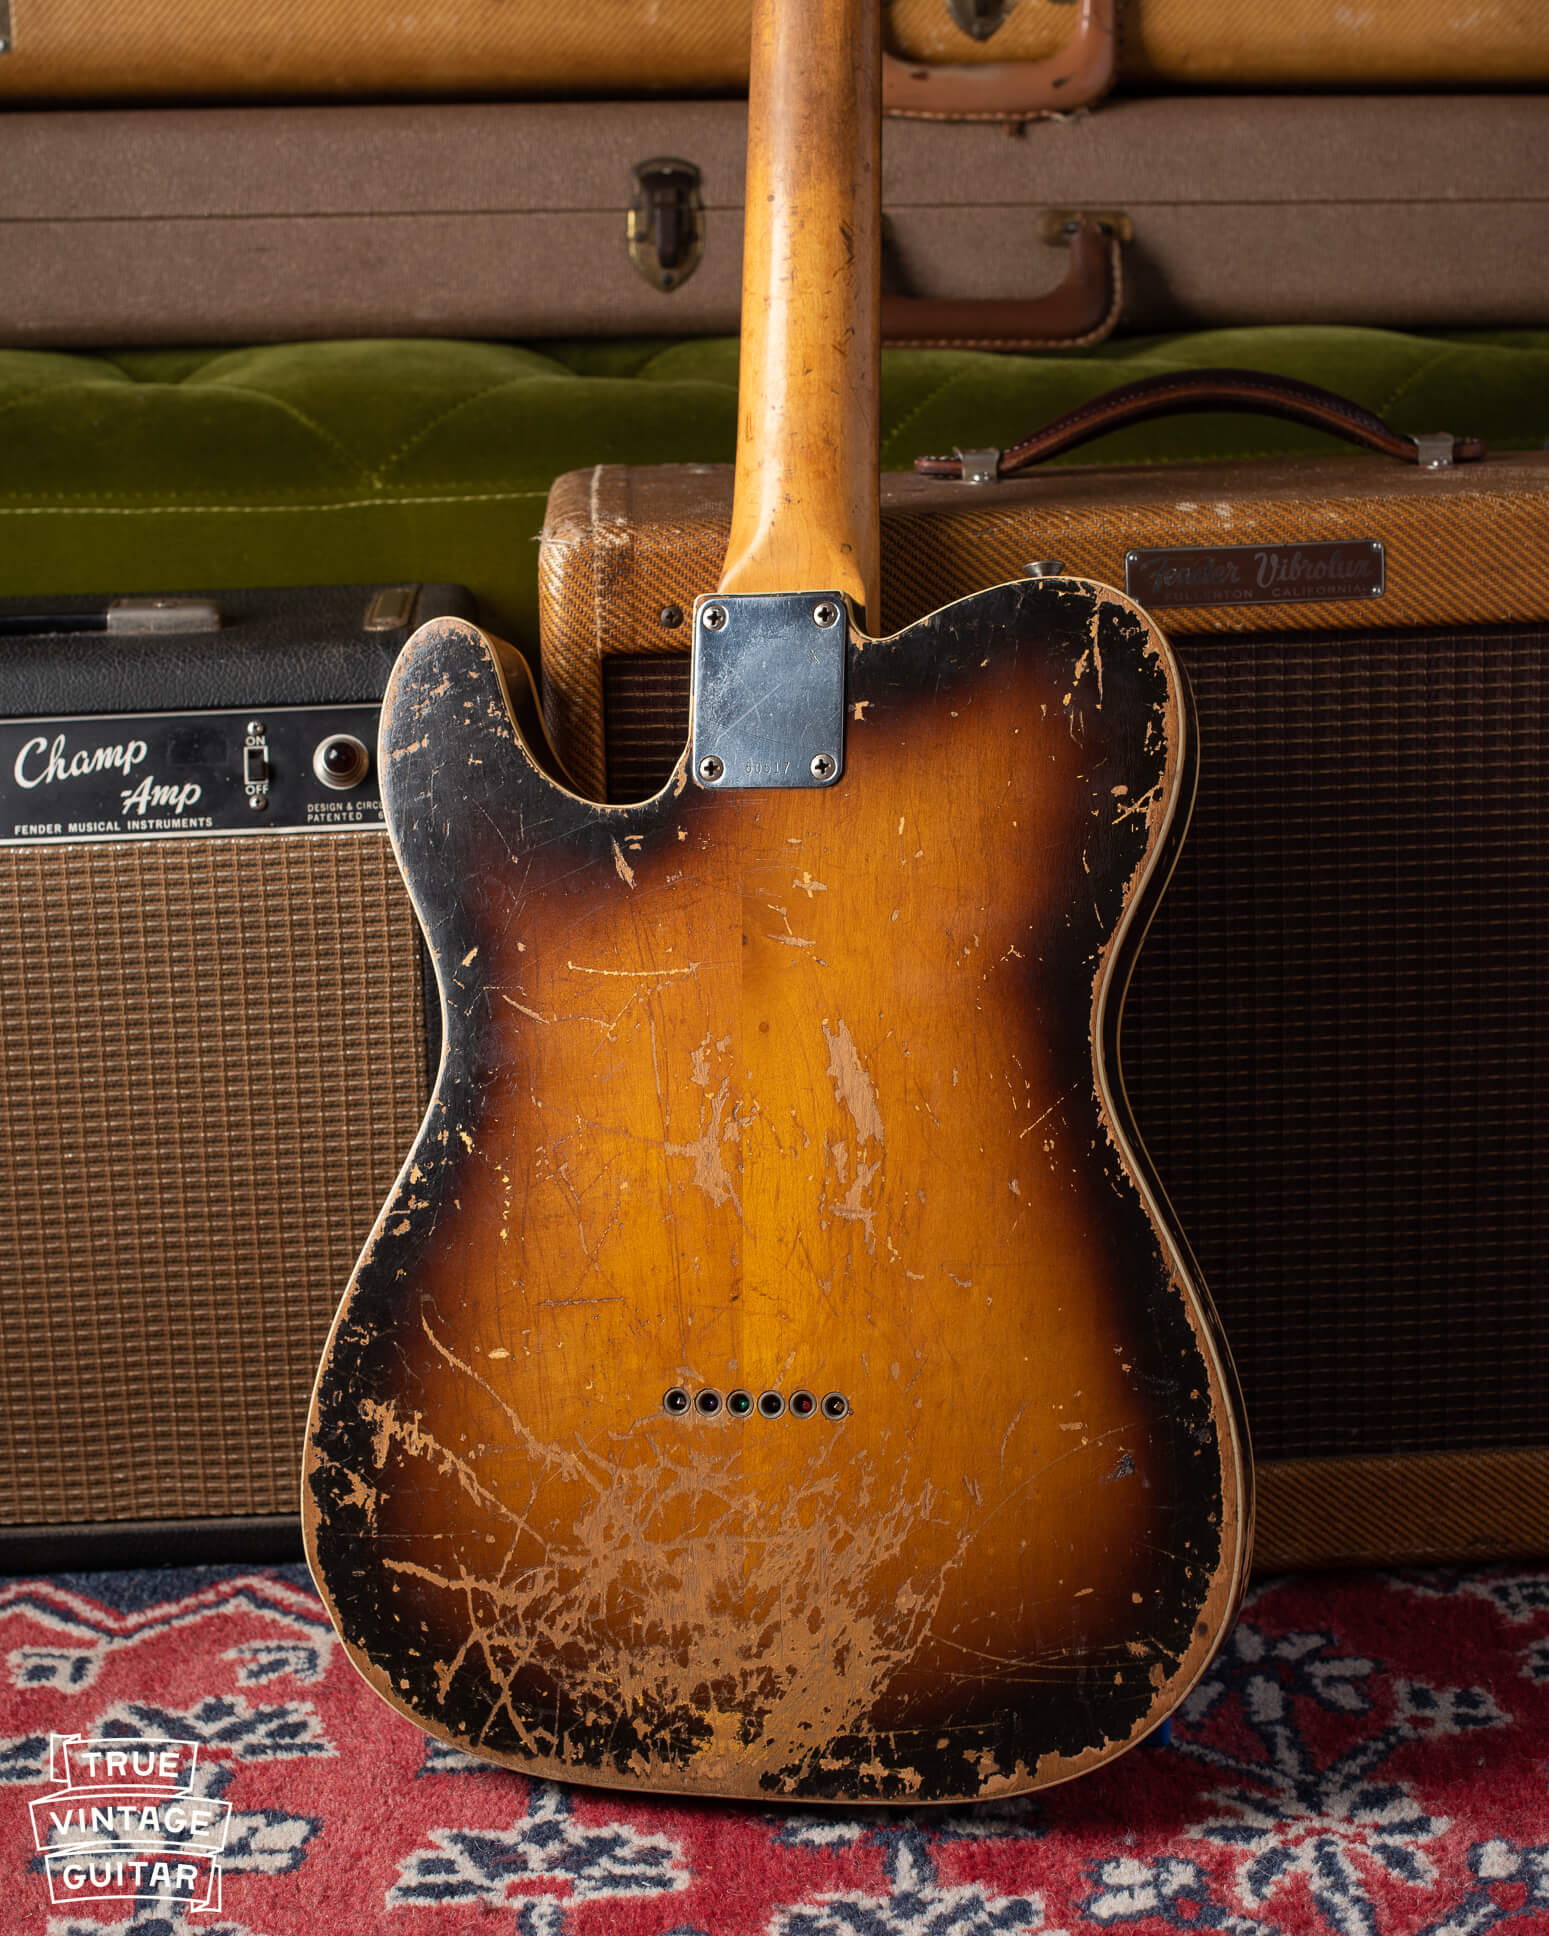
<point>215,1052</point>
<point>1337,1039</point>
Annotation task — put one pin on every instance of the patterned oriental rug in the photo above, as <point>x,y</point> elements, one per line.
<point>1368,1756</point>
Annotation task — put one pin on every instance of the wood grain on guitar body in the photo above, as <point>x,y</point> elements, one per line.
<point>775,1373</point>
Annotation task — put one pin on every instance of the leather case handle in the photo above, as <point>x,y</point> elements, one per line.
<point>1083,310</point>
<point>1079,74</point>
<point>1250,391</point>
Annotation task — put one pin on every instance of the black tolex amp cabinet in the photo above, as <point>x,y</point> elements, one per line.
<point>214,1057</point>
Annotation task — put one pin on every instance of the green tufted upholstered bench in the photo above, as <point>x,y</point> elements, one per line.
<point>428,459</point>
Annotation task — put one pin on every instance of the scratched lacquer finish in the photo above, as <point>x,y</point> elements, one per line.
<point>778,1090</point>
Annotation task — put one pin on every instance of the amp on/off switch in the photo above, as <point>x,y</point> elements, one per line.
<point>256,772</point>
<point>341,761</point>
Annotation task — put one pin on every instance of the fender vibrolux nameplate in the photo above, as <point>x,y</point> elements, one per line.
<point>1261,574</point>
<point>161,776</point>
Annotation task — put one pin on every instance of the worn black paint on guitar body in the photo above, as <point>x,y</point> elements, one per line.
<point>526,1644</point>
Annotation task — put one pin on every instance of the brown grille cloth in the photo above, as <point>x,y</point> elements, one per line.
<point>214,1063</point>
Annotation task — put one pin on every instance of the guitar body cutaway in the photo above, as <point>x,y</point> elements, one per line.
<point>789,1091</point>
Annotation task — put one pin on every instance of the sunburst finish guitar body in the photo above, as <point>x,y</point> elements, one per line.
<point>775,1374</point>
<point>781,1093</point>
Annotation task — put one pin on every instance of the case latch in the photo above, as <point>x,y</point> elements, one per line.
<point>666,221</point>
<point>979,18</point>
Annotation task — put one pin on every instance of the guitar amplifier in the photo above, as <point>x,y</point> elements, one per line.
<point>216,1052</point>
<point>1337,1039</point>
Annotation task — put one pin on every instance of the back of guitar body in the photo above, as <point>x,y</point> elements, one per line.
<point>774,1374</point>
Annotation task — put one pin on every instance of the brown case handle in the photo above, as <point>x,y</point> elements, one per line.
<point>1083,310</point>
<point>1079,74</point>
<point>1239,390</point>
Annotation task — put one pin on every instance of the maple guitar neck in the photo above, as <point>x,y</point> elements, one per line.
<point>805,510</point>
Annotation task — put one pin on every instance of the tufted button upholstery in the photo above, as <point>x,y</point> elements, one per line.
<point>410,458</point>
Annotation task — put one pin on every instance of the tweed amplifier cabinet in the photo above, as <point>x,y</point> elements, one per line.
<point>1337,1041</point>
<point>215,1052</point>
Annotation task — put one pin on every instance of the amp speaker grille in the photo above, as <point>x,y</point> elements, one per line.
<point>645,702</point>
<point>1337,1046</point>
<point>213,1064</point>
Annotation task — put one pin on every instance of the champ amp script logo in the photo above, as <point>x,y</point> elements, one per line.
<point>123,1823</point>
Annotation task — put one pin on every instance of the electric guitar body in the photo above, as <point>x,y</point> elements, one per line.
<point>777,1097</point>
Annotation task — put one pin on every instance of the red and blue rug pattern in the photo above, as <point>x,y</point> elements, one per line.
<point>1368,1756</point>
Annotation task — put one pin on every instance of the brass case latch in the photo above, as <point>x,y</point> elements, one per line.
<point>666,222</point>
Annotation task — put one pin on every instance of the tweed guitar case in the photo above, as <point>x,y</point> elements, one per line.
<point>1337,1037</point>
<point>986,59</point>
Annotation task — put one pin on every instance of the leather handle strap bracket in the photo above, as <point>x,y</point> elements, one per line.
<point>1249,391</point>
